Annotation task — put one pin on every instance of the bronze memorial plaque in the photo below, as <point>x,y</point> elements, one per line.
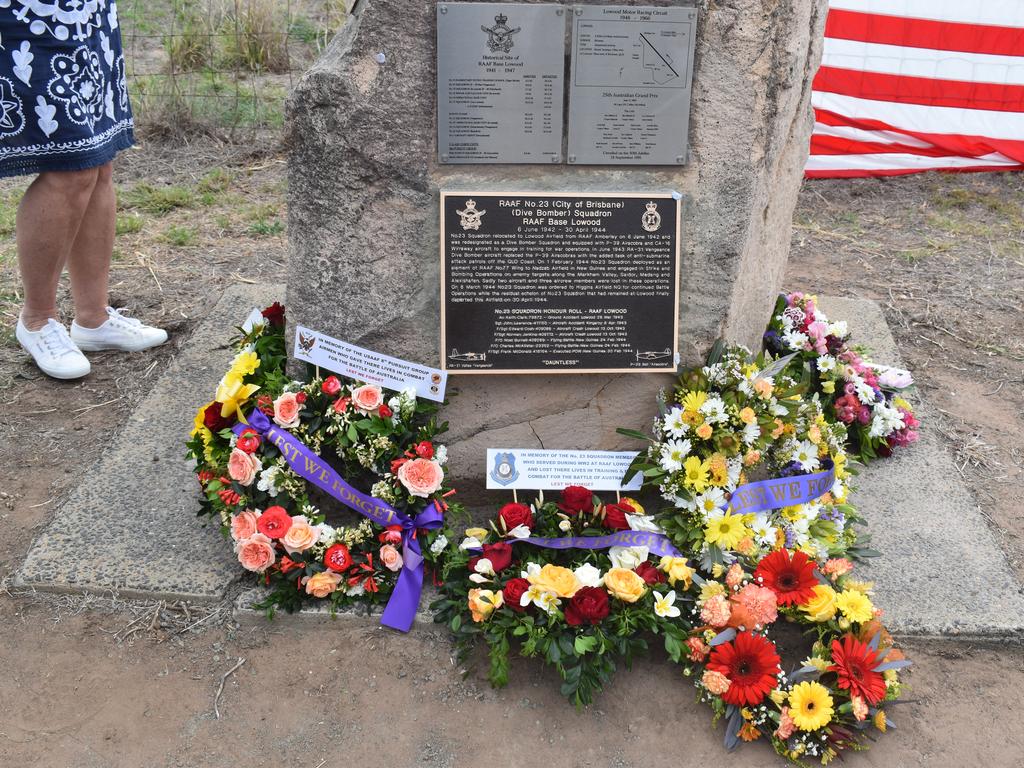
<point>559,282</point>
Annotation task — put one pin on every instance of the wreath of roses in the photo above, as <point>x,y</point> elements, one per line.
<point>303,545</point>
<point>737,419</point>
<point>583,612</point>
<point>865,397</point>
<point>837,696</point>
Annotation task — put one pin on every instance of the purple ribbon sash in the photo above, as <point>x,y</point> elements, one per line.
<point>405,599</point>
<point>656,543</point>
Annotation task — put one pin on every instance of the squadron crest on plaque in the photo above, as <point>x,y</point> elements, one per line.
<point>651,219</point>
<point>470,217</point>
<point>499,37</point>
<point>504,471</point>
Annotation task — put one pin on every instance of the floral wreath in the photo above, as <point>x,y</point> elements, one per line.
<point>582,611</point>
<point>864,396</point>
<point>839,693</point>
<point>734,419</point>
<point>273,515</point>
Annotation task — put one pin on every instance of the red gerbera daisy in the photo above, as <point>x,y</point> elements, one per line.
<point>854,662</point>
<point>751,664</point>
<point>792,580</point>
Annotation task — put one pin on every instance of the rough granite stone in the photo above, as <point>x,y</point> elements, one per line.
<point>942,571</point>
<point>131,526</point>
<point>363,202</point>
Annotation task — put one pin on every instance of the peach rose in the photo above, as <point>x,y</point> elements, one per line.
<point>256,553</point>
<point>322,584</point>
<point>286,410</point>
<point>243,525</point>
<point>243,466</point>
<point>301,535</point>
<point>391,558</point>
<point>367,398</point>
<point>626,585</point>
<point>421,477</point>
<point>482,603</point>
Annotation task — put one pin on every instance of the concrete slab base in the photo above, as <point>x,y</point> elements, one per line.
<point>132,527</point>
<point>248,615</point>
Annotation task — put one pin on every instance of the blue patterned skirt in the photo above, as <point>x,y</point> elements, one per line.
<point>63,97</point>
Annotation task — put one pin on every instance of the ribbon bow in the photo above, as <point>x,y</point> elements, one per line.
<point>400,611</point>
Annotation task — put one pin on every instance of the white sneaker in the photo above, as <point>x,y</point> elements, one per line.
<point>53,350</point>
<point>118,332</point>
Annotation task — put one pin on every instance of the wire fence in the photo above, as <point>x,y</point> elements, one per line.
<point>220,68</point>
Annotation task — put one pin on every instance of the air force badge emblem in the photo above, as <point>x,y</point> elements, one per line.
<point>499,37</point>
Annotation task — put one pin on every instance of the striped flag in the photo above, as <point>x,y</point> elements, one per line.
<point>916,85</point>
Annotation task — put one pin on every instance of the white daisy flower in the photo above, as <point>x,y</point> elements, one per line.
<point>673,454</point>
<point>674,425</point>
<point>826,363</point>
<point>806,455</point>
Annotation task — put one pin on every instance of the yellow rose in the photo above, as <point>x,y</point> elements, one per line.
<point>704,431</point>
<point>322,584</point>
<point>625,585</point>
<point>747,415</point>
<point>482,603</point>
<point>677,570</point>
<point>555,578</point>
<point>821,607</point>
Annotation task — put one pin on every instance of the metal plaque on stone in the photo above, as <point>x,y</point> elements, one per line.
<point>500,82</point>
<point>559,282</point>
<point>630,78</point>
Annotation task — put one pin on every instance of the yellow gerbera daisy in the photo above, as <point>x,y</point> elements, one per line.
<point>856,606</point>
<point>879,720</point>
<point>709,589</point>
<point>810,706</point>
<point>695,474</point>
<point>244,364</point>
<point>726,531</point>
<point>198,423</point>
<point>692,401</point>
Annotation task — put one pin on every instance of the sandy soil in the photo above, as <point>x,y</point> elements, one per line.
<point>102,683</point>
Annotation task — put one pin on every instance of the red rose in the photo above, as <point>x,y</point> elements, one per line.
<point>249,441</point>
<point>516,514</point>
<point>615,516</point>
<point>300,397</point>
<point>649,573</point>
<point>274,315</point>
<point>338,558</point>
<point>274,522</point>
<point>212,419</point>
<point>393,535</point>
<point>331,386</point>
<point>385,412</point>
<point>589,604</point>
<point>341,404</point>
<point>513,593</point>
<point>266,404</point>
<point>576,499</point>
<point>425,450</point>
<point>499,554</point>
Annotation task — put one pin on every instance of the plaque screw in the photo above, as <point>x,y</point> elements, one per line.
<point>578,11</point>
<point>444,158</point>
<point>572,158</point>
<point>444,9</point>
<point>559,12</point>
<point>555,159</point>
<point>680,159</point>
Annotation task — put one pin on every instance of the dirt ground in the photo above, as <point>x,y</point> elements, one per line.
<point>104,683</point>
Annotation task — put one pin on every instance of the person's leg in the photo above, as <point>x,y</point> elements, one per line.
<point>47,224</point>
<point>89,260</point>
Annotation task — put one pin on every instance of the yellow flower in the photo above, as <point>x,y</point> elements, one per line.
<point>828,387</point>
<point>677,570</point>
<point>794,513</point>
<point>555,578</point>
<point>232,395</point>
<point>778,696</point>
<point>719,469</point>
<point>725,531</point>
<point>814,434</point>
<point>695,474</point>
<point>692,401</point>
<point>198,424</point>
<point>751,458</point>
<point>709,589</point>
<point>482,603</point>
<point>879,720</point>
<point>819,664</point>
<point>477,533</point>
<point>244,364</point>
<point>864,587</point>
<point>763,387</point>
<point>810,706</point>
<point>747,415</point>
<point>856,606</point>
<point>821,607</point>
<point>704,431</point>
<point>839,460</point>
<point>633,504</point>
<point>625,584</point>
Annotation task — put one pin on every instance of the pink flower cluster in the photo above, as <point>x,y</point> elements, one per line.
<point>904,437</point>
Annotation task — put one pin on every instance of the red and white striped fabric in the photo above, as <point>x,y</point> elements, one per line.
<point>916,85</point>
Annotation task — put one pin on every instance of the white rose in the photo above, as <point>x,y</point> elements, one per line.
<point>439,544</point>
<point>628,557</point>
<point>589,576</point>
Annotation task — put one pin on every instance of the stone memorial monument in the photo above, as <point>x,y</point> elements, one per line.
<point>657,117</point>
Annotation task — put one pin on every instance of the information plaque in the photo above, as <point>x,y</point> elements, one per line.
<point>500,82</point>
<point>629,94</point>
<point>559,282</point>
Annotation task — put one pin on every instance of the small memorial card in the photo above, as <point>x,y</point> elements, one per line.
<point>532,469</point>
<point>369,366</point>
